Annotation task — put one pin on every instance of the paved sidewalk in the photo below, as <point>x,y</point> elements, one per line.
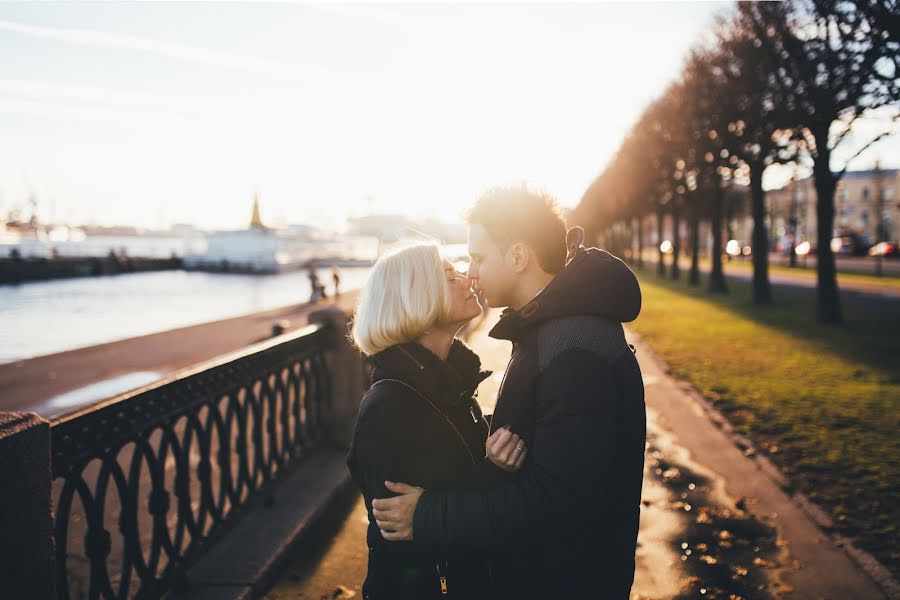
<point>851,265</point>
<point>713,524</point>
<point>800,277</point>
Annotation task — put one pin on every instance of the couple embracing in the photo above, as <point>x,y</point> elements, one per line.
<point>541,499</point>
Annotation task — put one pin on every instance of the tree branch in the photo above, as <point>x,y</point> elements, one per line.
<point>840,174</point>
<point>844,133</point>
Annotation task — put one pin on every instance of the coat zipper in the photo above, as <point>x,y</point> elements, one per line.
<point>442,578</point>
<point>500,391</point>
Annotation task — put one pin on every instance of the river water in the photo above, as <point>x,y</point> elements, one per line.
<point>45,317</point>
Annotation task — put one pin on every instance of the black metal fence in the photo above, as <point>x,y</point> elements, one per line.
<point>144,482</point>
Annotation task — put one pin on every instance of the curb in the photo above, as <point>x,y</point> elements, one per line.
<point>335,504</point>
<point>248,559</point>
<point>865,561</point>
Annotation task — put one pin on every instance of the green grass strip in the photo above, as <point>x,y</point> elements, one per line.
<point>822,401</point>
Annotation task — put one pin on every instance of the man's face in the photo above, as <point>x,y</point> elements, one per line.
<point>489,269</point>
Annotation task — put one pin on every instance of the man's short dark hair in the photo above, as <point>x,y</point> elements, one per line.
<point>518,214</point>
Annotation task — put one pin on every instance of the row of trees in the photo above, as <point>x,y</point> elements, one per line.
<point>776,82</point>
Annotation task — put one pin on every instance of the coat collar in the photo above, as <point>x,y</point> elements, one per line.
<point>453,380</point>
<point>593,283</point>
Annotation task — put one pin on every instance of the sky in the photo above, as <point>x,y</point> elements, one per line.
<point>151,114</point>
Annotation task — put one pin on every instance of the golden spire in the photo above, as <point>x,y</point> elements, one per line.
<point>255,221</point>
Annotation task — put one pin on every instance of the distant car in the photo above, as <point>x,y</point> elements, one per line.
<point>813,248</point>
<point>849,244</point>
<point>804,249</point>
<point>885,249</point>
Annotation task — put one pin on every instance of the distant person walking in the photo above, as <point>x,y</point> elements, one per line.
<point>336,278</point>
<point>317,288</point>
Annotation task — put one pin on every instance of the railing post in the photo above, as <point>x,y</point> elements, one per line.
<point>346,375</point>
<point>26,534</point>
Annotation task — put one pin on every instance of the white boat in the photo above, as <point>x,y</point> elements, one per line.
<point>261,249</point>
<point>252,250</point>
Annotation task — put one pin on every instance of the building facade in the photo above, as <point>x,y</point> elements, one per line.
<point>866,204</point>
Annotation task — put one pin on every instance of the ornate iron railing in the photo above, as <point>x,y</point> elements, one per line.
<point>145,481</point>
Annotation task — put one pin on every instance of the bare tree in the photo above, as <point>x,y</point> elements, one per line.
<point>713,160</point>
<point>759,124</point>
<point>835,62</point>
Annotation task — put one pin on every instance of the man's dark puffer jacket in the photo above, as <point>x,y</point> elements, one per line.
<point>565,525</point>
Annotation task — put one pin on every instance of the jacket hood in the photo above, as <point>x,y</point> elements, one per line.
<point>593,283</point>
<point>418,366</point>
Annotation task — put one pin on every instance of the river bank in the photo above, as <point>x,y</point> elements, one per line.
<point>59,382</point>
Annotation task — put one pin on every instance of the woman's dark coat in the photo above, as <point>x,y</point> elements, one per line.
<point>436,441</point>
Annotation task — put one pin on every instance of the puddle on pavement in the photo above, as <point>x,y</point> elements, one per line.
<point>94,392</point>
<point>701,543</point>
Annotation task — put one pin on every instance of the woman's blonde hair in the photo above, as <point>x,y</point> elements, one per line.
<point>405,294</point>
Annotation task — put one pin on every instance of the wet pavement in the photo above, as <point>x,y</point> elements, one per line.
<point>696,541</point>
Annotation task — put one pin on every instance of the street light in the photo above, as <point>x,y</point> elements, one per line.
<point>803,249</point>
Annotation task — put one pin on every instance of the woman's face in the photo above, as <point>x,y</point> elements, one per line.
<point>463,304</point>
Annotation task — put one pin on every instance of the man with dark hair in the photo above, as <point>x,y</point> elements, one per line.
<point>516,214</point>
<point>565,525</point>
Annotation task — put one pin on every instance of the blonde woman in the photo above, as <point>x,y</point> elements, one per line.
<point>419,422</point>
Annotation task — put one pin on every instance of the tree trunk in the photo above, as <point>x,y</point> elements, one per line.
<point>728,211</point>
<point>629,234</point>
<point>695,242</point>
<point>661,262</point>
<point>619,237</point>
<point>762,292</point>
<point>717,284</point>
<point>676,238</point>
<point>828,302</point>
<point>640,242</point>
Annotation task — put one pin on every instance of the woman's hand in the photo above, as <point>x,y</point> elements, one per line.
<point>506,450</point>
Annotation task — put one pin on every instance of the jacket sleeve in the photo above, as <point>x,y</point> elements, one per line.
<point>485,474</point>
<point>569,463</point>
